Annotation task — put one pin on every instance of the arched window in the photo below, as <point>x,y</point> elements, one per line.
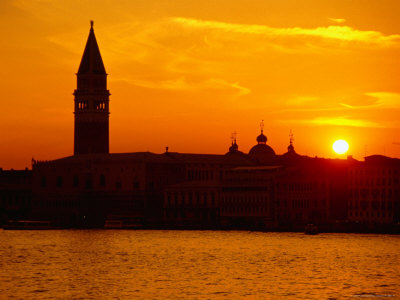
<point>59,181</point>
<point>88,183</point>
<point>118,185</point>
<point>136,184</point>
<point>102,180</point>
<point>75,181</point>
<point>43,182</point>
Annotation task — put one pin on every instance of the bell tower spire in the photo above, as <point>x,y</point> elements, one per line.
<point>91,131</point>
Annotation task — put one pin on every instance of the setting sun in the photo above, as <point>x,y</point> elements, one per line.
<point>340,146</point>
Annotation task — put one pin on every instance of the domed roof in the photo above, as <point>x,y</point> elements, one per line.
<point>234,148</point>
<point>261,139</point>
<point>290,156</point>
<point>262,150</point>
<point>290,148</point>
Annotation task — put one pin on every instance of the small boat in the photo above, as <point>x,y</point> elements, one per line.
<point>28,225</point>
<point>311,229</point>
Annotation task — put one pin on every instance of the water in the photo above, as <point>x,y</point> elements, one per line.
<point>119,264</point>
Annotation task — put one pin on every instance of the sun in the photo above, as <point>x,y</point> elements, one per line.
<point>340,146</point>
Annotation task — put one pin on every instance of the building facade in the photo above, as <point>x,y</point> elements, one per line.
<point>374,192</point>
<point>15,194</point>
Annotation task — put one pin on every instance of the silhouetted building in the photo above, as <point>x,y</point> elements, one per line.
<point>15,194</point>
<point>258,190</point>
<point>310,190</point>
<point>194,202</point>
<point>248,197</point>
<point>374,192</point>
<point>91,102</point>
<point>84,190</point>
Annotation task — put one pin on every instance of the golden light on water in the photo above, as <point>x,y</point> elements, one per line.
<point>340,146</point>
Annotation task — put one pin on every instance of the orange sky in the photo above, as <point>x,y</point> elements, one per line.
<point>186,74</point>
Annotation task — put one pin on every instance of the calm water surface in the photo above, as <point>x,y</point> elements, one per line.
<point>112,264</point>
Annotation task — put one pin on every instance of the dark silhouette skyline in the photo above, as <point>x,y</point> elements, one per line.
<point>260,190</point>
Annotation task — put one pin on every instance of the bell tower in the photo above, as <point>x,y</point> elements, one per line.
<point>91,129</point>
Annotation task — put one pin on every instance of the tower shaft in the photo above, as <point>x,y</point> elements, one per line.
<point>91,127</point>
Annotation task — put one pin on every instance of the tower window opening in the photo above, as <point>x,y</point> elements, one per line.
<point>100,105</point>
<point>83,105</point>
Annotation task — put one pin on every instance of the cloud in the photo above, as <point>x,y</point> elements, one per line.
<point>181,84</point>
<point>183,54</point>
<point>374,100</point>
<point>337,20</point>
<point>347,105</point>
<point>302,101</point>
<point>341,33</point>
<point>386,99</point>
<point>341,121</point>
<point>361,102</point>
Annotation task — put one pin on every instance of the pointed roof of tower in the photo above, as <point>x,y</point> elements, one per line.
<point>91,62</point>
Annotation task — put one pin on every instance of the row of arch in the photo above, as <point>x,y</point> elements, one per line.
<point>375,204</point>
<point>375,193</point>
<point>88,182</point>
<point>84,105</point>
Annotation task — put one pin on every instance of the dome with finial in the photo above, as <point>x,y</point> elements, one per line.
<point>262,152</point>
<point>291,154</point>
<point>262,139</point>
<point>290,148</point>
<point>234,148</point>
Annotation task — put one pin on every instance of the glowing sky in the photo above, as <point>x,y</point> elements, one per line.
<point>186,74</point>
